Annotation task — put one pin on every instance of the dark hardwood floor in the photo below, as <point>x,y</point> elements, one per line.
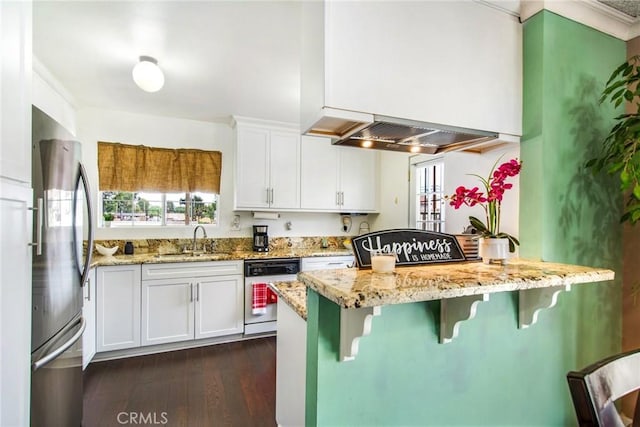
<point>230,384</point>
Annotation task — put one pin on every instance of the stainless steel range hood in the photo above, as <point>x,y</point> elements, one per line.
<point>403,135</point>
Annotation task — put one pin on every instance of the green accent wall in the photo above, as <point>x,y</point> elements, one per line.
<point>494,373</point>
<point>566,213</point>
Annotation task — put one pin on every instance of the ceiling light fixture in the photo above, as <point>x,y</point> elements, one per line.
<point>147,75</point>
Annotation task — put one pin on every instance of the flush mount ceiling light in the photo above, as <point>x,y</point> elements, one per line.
<point>147,75</point>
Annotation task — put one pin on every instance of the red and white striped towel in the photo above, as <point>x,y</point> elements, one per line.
<point>272,297</point>
<point>259,299</point>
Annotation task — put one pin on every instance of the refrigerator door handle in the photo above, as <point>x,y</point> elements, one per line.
<point>38,242</point>
<point>87,195</point>
<point>64,347</point>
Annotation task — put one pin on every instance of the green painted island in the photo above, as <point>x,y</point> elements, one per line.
<point>401,348</point>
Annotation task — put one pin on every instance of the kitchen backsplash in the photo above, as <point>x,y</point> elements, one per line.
<point>168,246</point>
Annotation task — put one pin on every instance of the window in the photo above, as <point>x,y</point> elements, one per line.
<point>428,196</point>
<point>145,208</point>
<point>158,186</point>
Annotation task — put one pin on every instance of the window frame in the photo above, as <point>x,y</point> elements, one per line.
<point>420,162</point>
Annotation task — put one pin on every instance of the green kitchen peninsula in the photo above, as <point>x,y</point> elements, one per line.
<point>401,348</point>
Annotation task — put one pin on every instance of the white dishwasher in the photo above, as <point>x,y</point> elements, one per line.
<point>263,271</point>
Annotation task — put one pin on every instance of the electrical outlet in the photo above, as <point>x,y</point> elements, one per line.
<point>235,224</point>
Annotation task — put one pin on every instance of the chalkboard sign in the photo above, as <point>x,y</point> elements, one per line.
<point>412,247</point>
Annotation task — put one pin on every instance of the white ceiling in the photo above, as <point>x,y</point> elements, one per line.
<point>219,58</point>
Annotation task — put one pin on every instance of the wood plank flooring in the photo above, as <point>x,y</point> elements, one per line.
<point>230,384</point>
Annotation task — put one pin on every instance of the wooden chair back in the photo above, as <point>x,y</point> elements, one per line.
<point>595,389</point>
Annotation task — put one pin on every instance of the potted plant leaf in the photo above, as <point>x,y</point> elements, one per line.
<point>620,154</point>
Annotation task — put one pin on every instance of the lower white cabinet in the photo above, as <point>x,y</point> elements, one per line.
<point>167,311</point>
<point>191,301</point>
<point>219,306</point>
<point>118,307</point>
<point>89,314</point>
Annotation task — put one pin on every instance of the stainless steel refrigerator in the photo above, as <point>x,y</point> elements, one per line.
<point>60,269</point>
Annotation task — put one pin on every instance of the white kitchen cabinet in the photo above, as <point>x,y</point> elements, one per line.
<point>327,262</point>
<point>219,308</point>
<point>89,314</point>
<point>167,311</point>
<point>118,307</point>
<point>267,167</point>
<point>15,302</point>
<point>186,301</point>
<point>16,220</point>
<point>15,90</point>
<point>337,179</point>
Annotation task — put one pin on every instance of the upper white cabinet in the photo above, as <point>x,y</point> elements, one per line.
<point>450,63</point>
<point>267,165</point>
<point>338,179</point>
<point>15,90</point>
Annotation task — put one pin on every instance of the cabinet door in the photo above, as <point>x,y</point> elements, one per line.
<point>358,179</point>
<point>252,168</point>
<point>15,301</point>
<point>327,263</point>
<point>219,308</point>
<point>319,170</point>
<point>15,93</point>
<point>118,307</point>
<point>89,314</point>
<point>167,311</point>
<point>285,170</point>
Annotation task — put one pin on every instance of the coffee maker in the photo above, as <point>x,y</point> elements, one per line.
<point>260,238</point>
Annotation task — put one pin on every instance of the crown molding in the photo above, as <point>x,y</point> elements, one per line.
<point>588,12</point>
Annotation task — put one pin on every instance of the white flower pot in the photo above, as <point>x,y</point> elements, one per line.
<point>494,249</point>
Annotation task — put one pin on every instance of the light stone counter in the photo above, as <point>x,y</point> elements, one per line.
<point>459,287</point>
<point>294,294</point>
<point>353,288</point>
<point>154,258</point>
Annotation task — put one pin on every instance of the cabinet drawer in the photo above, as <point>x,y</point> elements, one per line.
<point>191,269</point>
<point>327,263</point>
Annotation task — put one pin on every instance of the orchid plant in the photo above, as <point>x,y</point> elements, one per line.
<point>495,186</point>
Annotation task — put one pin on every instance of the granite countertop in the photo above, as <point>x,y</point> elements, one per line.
<point>294,294</point>
<point>353,288</point>
<point>154,258</point>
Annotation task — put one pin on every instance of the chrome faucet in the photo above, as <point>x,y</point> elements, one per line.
<point>195,231</point>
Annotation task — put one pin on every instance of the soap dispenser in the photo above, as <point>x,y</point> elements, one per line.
<point>128,248</point>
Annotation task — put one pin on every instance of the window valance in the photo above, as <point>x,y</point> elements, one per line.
<point>123,167</point>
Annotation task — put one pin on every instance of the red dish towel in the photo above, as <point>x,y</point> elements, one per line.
<point>272,297</point>
<point>259,299</point>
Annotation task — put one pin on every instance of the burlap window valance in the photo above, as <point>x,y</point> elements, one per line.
<point>124,167</point>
